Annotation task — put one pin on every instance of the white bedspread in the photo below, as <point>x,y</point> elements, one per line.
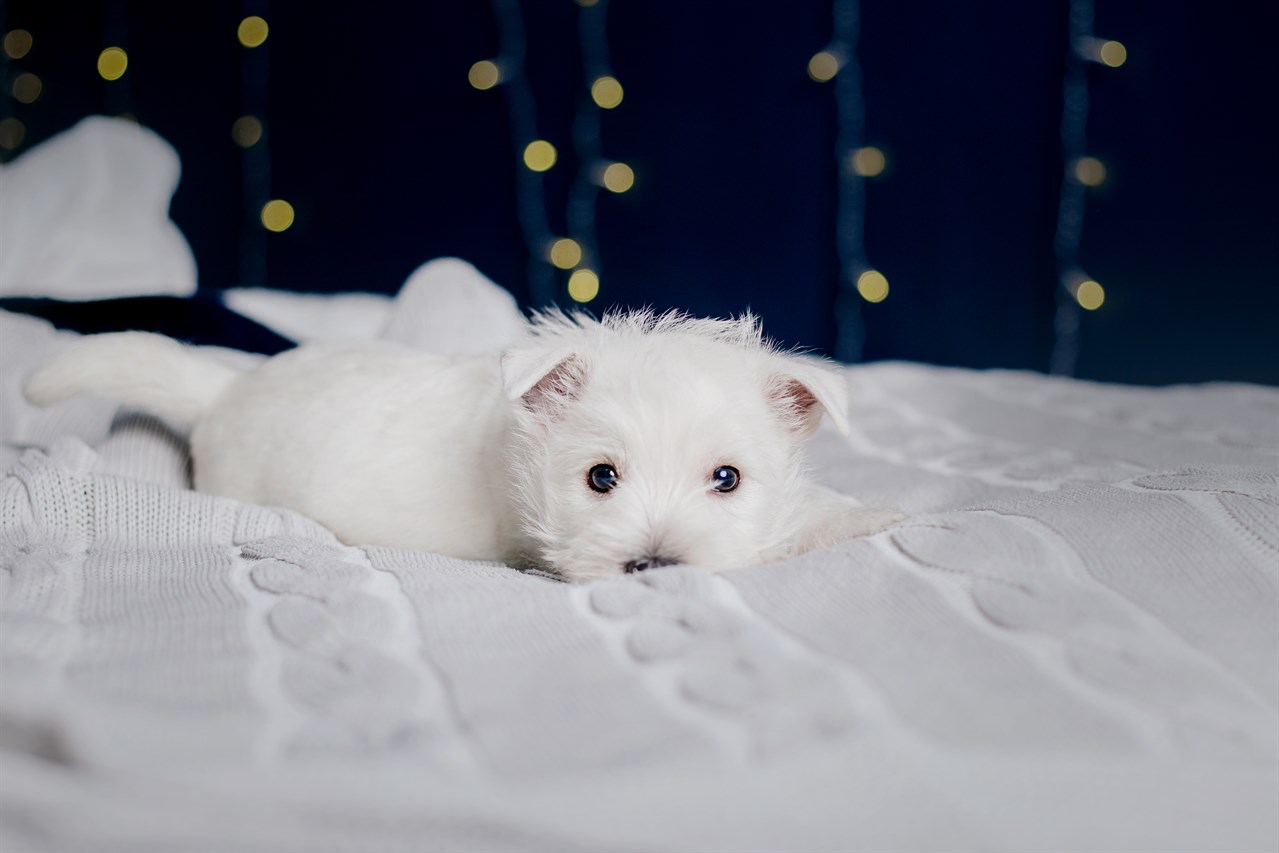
<point>1072,644</point>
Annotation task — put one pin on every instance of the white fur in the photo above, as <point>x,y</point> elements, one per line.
<point>483,458</point>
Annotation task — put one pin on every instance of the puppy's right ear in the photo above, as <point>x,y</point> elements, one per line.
<point>544,380</point>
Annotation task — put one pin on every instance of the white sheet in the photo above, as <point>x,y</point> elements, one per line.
<point>1073,643</point>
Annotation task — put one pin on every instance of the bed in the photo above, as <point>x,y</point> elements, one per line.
<point>1071,643</point>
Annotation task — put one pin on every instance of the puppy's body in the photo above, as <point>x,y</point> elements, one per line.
<point>379,443</point>
<point>483,458</point>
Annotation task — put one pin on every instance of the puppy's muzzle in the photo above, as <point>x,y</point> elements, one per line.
<point>645,563</point>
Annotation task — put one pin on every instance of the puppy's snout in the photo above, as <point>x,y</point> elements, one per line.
<point>645,563</point>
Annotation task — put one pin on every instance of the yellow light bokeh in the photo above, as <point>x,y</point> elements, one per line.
<point>484,74</point>
<point>1090,295</point>
<point>583,286</point>
<point>252,31</point>
<point>823,66</point>
<point>618,177</point>
<point>872,286</point>
<point>565,253</point>
<point>17,43</point>
<point>277,215</point>
<point>1090,171</point>
<point>112,63</point>
<point>26,88</point>
<point>539,155</point>
<point>869,161</point>
<point>12,132</point>
<point>606,92</point>
<point>247,131</point>
<point>1114,54</point>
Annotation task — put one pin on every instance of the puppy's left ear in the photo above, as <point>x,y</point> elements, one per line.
<point>804,389</point>
<point>543,379</point>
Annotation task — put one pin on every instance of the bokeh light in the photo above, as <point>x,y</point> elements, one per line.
<point>583,286</point>
<point>112,63</point>
<point>252,31</point>
<point>618,177</point>
<point>1090,295</point>
<point>247,131</point>
<point>869,161</point>
<point>1114,54</point>
<point>17,43</point>
<point>565,253</point>
<point>484,74</point>
<point>1089,171</point>
<point>539,155</point>
<point>606,92</point>
<point>823,66</point>
<point>12,132</point>
<point>277,215</point>
<point>26,88</point>
<point>873,286</point>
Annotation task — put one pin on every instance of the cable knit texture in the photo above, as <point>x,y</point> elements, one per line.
<point>1071,643</point>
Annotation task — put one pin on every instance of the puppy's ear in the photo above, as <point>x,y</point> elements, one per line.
<point>803,390</point>
<point>544,380</point>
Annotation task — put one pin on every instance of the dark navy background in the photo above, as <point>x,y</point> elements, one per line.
<point>391,158</point>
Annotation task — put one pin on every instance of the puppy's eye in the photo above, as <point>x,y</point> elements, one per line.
<point>725,478</point>
<point>601,478</point>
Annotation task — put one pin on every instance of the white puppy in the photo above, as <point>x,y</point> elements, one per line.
<point>590,449</point>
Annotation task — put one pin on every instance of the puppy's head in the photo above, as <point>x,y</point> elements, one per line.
<point>646,440</point>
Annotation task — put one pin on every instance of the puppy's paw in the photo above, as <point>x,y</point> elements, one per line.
<point>830,517</point>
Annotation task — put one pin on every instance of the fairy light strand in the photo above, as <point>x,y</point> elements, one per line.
<point>841,55</point>
<point>584,194</point>
<point>118,95</point>
<point>255,79</point>
<point>1075,288</point>
<point>529,193</point>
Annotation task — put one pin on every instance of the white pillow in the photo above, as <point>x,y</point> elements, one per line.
<point>85,215</point>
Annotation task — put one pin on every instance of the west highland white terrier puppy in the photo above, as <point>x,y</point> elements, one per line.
<point>590,449</point>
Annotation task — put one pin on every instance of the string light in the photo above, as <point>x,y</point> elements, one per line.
<point>26,88</point>
<point>1089,171</point>
<point>1113,53</point>
<point>484,74</point>
<point>858,280</point>
<point>1090,295</point>
<point>247,131</point>
<point>529,193</point>
<point>540,155</point>
<point>565,253</point>
<point>251,132</point>
<point>583,285</point>
<point>112,63</point>
<point>1076,289</point>
<point>593,170</point>
<point>606,92</point>
<point>869,161</point>
<point>253,31</point>
<point>824,66</point>
<point>12,132</point>
<point>617,177</point>
<point>873,286</point>
<point>17,43</point>
<point>277,215</point>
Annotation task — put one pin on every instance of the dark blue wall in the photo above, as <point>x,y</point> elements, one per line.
<point>391,158</point>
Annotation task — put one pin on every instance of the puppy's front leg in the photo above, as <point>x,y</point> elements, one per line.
<point>827,517</point>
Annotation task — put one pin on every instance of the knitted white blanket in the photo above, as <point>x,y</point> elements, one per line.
<point>1072,644</point>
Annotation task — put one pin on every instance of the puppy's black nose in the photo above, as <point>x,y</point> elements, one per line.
<point>644,563</point>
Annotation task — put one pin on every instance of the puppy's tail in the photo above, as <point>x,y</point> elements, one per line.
<point>145,370</point>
